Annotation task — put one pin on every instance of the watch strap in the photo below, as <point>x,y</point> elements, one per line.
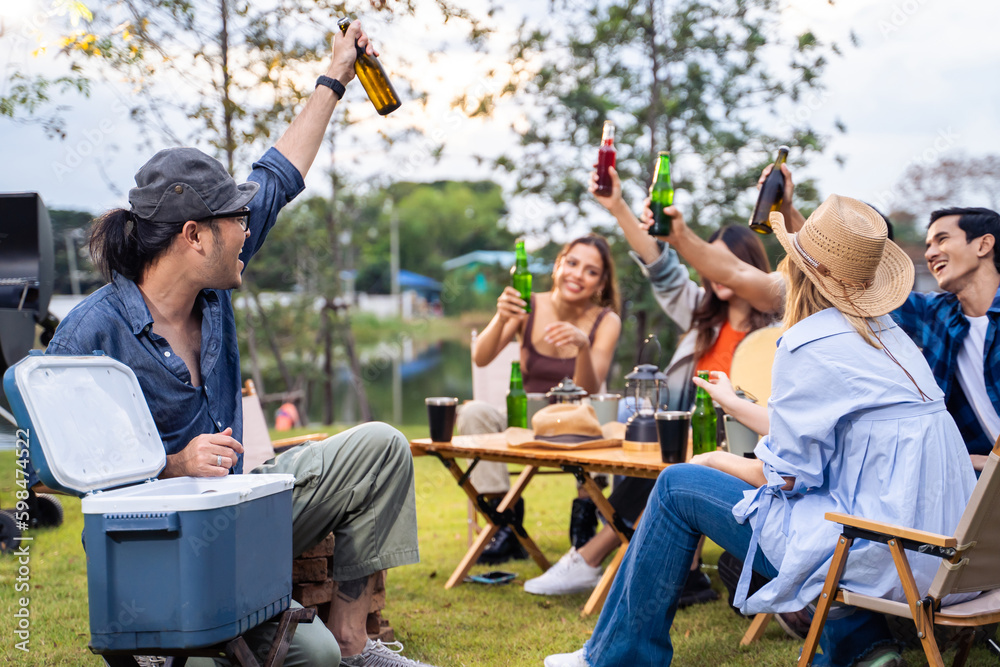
<point>336,86</point>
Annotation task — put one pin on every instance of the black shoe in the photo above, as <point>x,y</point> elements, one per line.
<point>502,548</point>
<point>697,589</point>
<point>504,545</point>
<point>795,623</point>
<point>582,522</point>
<point>730,568</point>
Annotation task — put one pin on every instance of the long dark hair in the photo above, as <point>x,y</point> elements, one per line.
<point>713,311</point>
<point>607,296</point>
<point>124,244</point>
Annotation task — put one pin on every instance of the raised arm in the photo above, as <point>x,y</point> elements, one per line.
<point>764,291</point>
<point>638,238</point>
<point>301,141</point>
<point>508,321</point>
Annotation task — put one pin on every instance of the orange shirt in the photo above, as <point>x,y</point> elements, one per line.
<point>719,357</point>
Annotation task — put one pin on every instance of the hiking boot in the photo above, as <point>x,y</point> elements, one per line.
<point>582,522</point>
<point>697,589</point>
<point>380,654</point>
<point>570,575</point>
<point>576,659</point>
<point>795,623</point>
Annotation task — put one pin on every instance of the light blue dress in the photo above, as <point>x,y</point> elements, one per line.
<point>852,429</point>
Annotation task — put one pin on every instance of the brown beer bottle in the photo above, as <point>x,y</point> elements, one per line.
<point>772,193</point>
<point>373,78</point>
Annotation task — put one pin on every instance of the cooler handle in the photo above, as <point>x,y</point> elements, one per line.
<point>167,522</point>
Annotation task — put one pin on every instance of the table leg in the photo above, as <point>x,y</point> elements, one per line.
<point>490,529</point>
<point>596,599</point>
<point>508,501</point>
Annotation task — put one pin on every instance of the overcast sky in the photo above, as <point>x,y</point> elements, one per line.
<point>922,83</point>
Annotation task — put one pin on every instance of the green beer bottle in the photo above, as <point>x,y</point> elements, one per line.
<point>661,194</point>
<point>520,277</point>
<point>772,193</point>
<point>703,421</point>
<point>373,77</point>
<point>517,399</point>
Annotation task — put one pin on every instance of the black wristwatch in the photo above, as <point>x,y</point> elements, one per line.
<point>334,85</point>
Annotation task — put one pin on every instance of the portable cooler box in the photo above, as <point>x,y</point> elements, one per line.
<point>172,563</point>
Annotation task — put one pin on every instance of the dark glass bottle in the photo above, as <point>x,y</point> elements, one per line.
<point>661,195</point>
<point>772,193</point>
<point>703,421</point>
<point>517,399</point>
<point>520,277</point>
<point>606,155</point>
<point>373,77</point>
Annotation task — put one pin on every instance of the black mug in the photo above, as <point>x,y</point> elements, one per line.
<point>441,415</point>
<point>672,431</point>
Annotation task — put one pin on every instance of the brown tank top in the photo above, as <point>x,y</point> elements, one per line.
<point>541,372</point>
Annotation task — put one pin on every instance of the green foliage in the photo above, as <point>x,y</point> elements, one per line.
<point>230,67</point>
<point>29,99</point>
<point>437,221</point>
<point>687,76</point>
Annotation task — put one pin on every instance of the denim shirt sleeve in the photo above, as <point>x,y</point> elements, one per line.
<point>280,182</point>
<point>673,288</point>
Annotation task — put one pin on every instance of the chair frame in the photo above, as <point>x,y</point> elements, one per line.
<point>925,609</point>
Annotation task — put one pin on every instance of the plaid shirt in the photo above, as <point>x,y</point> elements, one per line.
<point>937,325</point>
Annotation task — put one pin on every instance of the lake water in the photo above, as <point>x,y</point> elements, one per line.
<point>398,379</point>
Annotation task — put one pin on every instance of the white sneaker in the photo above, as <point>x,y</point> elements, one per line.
<point>570,575</point>
<point>379,654</point>
<point>576,659</point>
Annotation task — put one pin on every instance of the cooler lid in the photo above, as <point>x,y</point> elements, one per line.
<point>88,423</point>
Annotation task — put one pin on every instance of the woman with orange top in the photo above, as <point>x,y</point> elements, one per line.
<point>715,321</point>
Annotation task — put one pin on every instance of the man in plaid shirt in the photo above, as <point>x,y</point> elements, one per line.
<point>956,328</point>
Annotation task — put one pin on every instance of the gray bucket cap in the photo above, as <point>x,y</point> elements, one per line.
<point>181,184</point>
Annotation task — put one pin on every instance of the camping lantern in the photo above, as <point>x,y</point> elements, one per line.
<point>643,388</point>
<point>566,391</point>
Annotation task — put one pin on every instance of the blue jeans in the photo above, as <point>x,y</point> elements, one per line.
<point>689,501</point>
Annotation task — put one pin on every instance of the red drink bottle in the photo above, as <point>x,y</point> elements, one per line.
<point>605,159</point>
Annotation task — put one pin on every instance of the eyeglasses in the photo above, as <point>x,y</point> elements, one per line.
<point>240,217</point>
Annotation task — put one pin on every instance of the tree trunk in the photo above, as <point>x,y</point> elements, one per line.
<point>227,102</point>
<point>328,412</point>
<point>359,385</point>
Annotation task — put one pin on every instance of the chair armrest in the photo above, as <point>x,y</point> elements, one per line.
<point>889,530</point>
<point>285,444</point>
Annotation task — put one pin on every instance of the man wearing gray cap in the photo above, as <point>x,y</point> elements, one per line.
<point>172,259</point>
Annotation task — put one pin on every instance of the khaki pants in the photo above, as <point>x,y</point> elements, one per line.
<point>358,485</point>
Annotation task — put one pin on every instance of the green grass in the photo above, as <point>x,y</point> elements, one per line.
<point>470,625</point>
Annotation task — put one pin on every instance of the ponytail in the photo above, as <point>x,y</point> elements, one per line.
<point>124,244</point>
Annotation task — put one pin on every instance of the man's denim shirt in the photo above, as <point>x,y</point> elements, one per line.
<point>115,320</point>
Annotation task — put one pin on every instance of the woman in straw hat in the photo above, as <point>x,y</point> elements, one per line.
<point>857,425</point>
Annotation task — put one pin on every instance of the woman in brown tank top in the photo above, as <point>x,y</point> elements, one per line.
<point>572,330</point>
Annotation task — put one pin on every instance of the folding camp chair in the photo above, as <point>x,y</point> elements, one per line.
<point>970,563</point>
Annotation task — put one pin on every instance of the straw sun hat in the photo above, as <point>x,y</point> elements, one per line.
<point>844,250</point>
<point>566,426</point>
